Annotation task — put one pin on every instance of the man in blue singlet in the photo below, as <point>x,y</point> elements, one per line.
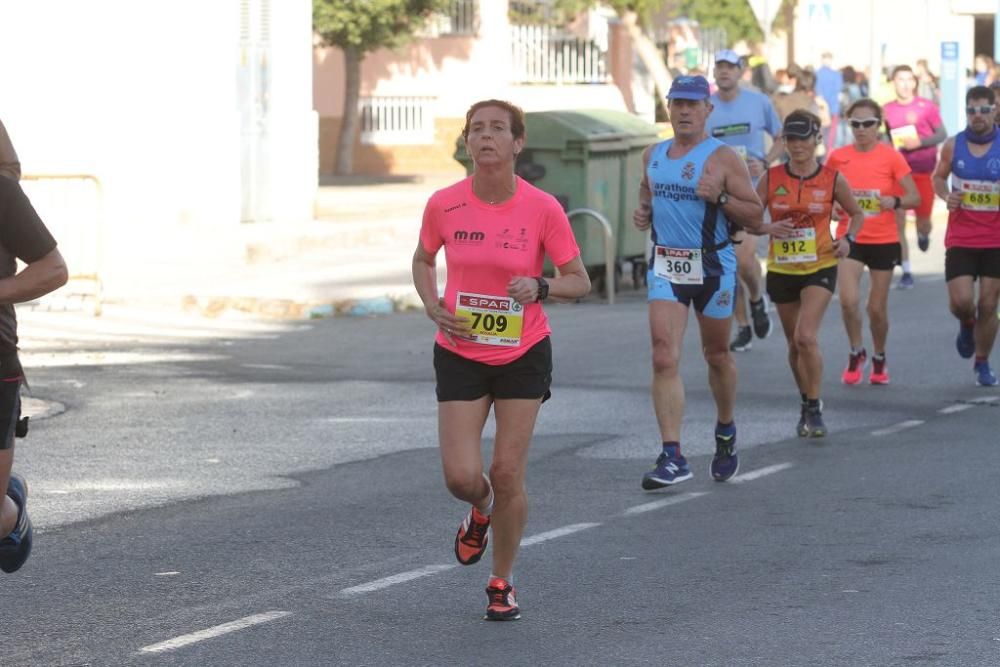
<point>692,188</point>
<point>740,118</point>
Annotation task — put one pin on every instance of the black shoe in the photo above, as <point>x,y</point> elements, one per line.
<point>726,462</point>
<point>802,429</point>
<point>761,320</point>
<point>16,547</point>
<point>814,423</point>
<point>743,340</point>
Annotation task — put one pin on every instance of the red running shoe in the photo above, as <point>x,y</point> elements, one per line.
<point>855,367</point>
<point>880,371</point>
<point>502,606</point>
<point>472,538</point>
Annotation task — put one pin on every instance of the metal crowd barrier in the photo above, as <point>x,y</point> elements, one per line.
<point>609,247</point>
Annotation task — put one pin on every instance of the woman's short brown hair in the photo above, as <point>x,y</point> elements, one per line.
<point>516,116</point>
<point>867,103</point>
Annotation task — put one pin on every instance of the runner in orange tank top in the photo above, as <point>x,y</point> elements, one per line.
<point>802,259</point>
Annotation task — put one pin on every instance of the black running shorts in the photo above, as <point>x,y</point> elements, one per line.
<point>877,256</point>
<point>973,262</point>
<point>461,379</point>
<point>787,287</point>
<point>10,410</point>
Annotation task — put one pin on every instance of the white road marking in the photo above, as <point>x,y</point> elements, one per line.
<point>985,399</point>
<point>761,472</point>
<point>266,367</point>
<point>558,532</point>
<point>165,574</point>
<point>657,504</point>
<point>958,407</point>
<point>400,578</point>
<point>896,428</point>
<point>426,571</point>
<point>218,630</point>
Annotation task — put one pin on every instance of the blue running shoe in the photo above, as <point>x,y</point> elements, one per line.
<point>725,463</point>
<point>668,471</point>
<point>905,281</point>
<point>16,547</point>
<point>985,377</point>
<point>966,342</point>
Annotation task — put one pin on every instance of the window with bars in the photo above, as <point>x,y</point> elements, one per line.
<point>397,120</point>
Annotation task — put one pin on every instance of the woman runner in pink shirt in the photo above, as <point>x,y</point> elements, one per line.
<point>492,346</point>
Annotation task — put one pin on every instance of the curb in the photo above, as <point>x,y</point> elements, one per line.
<point>292,309</point>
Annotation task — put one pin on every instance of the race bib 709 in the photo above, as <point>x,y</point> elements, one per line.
<point>494,320</point>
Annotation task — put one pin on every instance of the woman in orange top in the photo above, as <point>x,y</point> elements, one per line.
<point>877,173</point>
<point>802,260</point>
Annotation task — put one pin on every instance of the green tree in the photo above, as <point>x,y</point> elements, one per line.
<point>635,16</point>
<point>734,15</point>
<point>358,27</point>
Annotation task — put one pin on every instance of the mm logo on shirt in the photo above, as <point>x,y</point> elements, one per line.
<point>463,237</point>
<point>490,303</point>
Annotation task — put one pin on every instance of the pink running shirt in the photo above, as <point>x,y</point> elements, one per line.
<point>920,115</point>
<point>487,245</point>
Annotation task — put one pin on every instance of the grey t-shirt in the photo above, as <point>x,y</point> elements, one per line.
<point>23,236</point>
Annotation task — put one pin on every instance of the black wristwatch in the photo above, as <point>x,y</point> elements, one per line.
<point>898,202</point>
<point>543,289</point>
<point>722,200</point>
<point>850,239</point>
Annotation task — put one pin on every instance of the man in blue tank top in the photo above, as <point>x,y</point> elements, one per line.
<point>693,188</point>
<point>740,118</point>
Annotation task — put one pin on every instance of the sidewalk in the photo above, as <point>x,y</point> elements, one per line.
<point>353,259</point>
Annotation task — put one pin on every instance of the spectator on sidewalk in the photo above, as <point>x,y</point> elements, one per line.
<point>927,82</point>
<point>829,84</point>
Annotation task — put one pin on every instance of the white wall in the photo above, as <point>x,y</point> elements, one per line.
<point>143,94</point>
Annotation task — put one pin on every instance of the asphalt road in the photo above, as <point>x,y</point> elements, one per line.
<point>270,494</point>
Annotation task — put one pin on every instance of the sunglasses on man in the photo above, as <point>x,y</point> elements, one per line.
<point>984,109</point>
<point>866,123</point>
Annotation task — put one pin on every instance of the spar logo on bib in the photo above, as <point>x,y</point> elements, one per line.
<point>489,302</point>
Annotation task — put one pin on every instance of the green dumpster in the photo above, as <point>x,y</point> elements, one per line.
<point>588,159</point>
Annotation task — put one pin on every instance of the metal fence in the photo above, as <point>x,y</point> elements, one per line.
<point>545,54</point>
<point>397,120</point>
<point>461,18</point>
